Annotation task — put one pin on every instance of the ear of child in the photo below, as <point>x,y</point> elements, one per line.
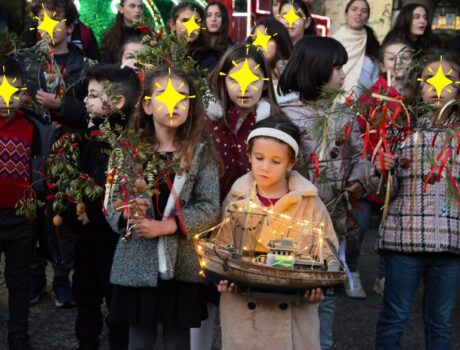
<point>120,102</point>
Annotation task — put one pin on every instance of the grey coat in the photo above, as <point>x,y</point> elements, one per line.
<point>340,161</point>
<point>139,262</point>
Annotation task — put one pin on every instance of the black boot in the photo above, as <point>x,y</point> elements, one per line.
<point>18,341</point>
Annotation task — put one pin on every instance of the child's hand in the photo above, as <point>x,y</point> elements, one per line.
<point>148,228</point>
<point>314,295</point>
<point>224,287</point>
<point>356,189</point>
<point>83,218</point>
<point>51,101</point>
<point>26,101</point>
<point>389,161</point>
<point>138,209</point>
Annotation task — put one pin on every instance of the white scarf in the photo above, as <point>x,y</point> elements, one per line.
<point>354,42</point>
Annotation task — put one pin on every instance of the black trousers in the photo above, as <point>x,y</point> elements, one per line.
<point>94,251</point>
<point>17,242</point>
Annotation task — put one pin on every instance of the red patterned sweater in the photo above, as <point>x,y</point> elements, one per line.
<point>16,137</point>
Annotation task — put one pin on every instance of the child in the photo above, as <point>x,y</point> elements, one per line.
<point>112,95</point>
<point>300,26</point>
<point>128,52</point>
<point>82,35</point>
<point>67,110</point>
<point>332,155</point>
<point>68,113</point>
<point>235,113</point>
<point>420,236</point>
<point>156,271</point>
<point>278,48</point>
<point>273,147</point>
<point>23,143</point>
<point>395,57</point>
<point>198,48</point>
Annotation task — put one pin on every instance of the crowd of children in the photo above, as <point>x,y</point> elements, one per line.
<point>320,129</point>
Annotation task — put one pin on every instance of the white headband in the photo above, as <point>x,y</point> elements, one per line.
<point>276,134</point>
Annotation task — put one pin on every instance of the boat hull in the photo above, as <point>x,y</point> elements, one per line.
<point>218,264</point>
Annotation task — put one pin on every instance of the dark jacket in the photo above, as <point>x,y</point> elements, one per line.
<point>43,139</point>
<point>93,160</point>
<point>72,114</point>
<point>206,59</point>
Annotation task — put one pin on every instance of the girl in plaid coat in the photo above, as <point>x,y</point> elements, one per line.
<point>421,234</point>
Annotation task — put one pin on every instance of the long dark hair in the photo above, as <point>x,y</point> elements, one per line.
<point>189,134</point>
<point>221,38</point>
<point>401,29</point>
<point>372,44</point>
<point>238,53</point>
<point>113,36</point>
<point>200,43</point>
<point>311,66</point>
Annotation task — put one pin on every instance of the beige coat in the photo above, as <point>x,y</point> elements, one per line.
<point>271,325</point>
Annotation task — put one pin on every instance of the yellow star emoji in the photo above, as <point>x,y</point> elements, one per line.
<point>170,97</point>
<point>48,24</point>
<point>7,90</point>
<point>262,40</point>
<point>244,76</point>
<point>291,16</point>
<point>439,81</point>
<point>191,26</point>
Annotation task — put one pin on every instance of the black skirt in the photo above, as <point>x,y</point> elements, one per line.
<point>171,303</point>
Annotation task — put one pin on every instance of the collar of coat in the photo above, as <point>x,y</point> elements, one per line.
<point>215,111</point>
<point>299,187</point>
<point>284,99</point>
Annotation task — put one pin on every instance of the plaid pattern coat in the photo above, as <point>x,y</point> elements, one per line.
<point>421,221</point>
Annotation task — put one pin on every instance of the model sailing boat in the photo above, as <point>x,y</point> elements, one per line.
<point>273,263</point>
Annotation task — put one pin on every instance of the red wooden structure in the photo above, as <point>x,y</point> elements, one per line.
<point>244,13</point>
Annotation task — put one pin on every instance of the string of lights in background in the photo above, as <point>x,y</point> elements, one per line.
<point>100,14</point>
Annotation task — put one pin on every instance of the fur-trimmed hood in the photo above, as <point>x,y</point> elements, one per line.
<point>299,187</point>
<point>215,111</point>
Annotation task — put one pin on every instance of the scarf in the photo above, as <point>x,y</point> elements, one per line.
<point>355,43</point>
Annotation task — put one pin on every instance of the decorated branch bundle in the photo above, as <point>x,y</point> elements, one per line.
<point>268,252</point>
<point>134,170</point>
<point>65,182</point>
<point>163,49</point>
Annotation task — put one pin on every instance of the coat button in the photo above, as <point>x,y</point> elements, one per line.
<point>182,203</point>
<point>404,163</point>
<point>283,306</point>
<point>334,153</point>
<point>339,141</point>
<point>251,305</point>
<point>193,178</point>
